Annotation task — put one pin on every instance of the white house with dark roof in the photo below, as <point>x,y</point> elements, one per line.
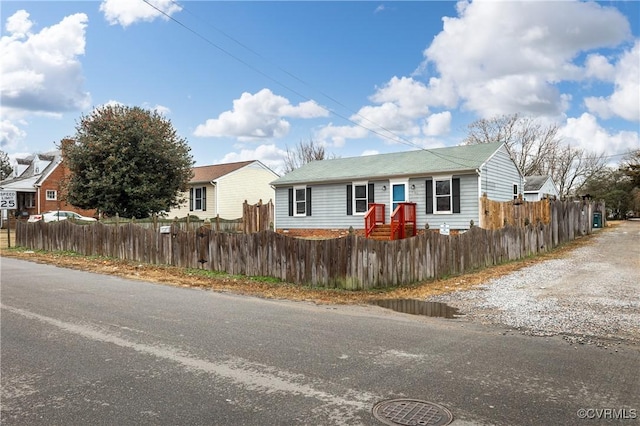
<point>538,187</point>
<point>444,183</point>
<point>221,189</point>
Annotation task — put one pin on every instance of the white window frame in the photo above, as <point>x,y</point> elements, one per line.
<point>51,195</point>
<point>437,179</point>
<point>303,201</point>
<point>355,199</point>
<point>197,199</point>
<point>516,190</point>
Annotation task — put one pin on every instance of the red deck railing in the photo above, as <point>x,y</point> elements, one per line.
<point>403,215</point>
<point>374,216</point>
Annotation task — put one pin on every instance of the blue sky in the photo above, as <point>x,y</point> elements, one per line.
<point>244,80</point>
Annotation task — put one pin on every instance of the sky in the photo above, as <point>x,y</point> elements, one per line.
<point>246,80</point>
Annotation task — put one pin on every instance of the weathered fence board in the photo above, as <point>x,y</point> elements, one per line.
<point>350,262</point>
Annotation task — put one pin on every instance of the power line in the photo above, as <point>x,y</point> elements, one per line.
<point>397,138</point>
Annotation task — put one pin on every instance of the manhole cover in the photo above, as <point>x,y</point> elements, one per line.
<point>411,412</point>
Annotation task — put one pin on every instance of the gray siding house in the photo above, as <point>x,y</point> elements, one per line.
<point>445,184</point>
<point>538,187</point>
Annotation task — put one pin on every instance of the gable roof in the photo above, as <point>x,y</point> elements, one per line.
<point>31,177</point>
<point>534,183</point>
<point>206,174</point>
<point>398,164</point>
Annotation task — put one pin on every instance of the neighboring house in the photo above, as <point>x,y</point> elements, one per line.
<point>37,181</point>
<point>537,188</point>
<point>222,189</point>
<point>445,183</point>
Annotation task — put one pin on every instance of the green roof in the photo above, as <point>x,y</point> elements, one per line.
<point>398,164</point>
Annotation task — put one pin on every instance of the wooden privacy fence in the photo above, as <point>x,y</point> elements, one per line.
<point>257,217</point>
<point>351,262</point>
<point>496,214</point>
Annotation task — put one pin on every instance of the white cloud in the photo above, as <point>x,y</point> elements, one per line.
<point>337,135</point>
<point>41,72</point>
<point>10,135</point>
<point>19,24</point>
<point>401,105</point>
<point>598,66</point>
<point>585,132</point>
<point>370,152</point>
<point>506,57</point>
<point>127,12</point>
<point>258,116</point>
<point>270,155</point>
<point>438,124</point>
<point>625,100</point>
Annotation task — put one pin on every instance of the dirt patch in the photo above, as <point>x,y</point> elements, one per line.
<point>274,290</point>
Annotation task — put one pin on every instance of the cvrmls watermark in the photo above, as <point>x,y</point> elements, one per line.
<point>608,413</point>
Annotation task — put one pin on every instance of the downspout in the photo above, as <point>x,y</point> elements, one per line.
<point>480,212</point>
<point>274,208</point>
<point>215,192</point>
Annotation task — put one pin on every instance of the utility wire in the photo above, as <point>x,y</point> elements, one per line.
<point>398,138</point>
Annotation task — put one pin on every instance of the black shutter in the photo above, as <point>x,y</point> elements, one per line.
<point>308,201</point>
<point>349,200</point>
<point>290,201</point>
<point>456,194</point>
<point>204,198</point>
<point>429,186</point>
<point>191,199</point>
<point>371,198</point>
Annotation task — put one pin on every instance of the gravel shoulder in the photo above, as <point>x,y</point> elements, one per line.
<point>590,295</point>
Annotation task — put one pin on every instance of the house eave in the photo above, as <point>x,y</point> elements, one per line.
<point>385,177</point>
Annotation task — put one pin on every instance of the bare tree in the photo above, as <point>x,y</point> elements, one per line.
<point>303,153</point>
<point>528,141</point>
<point>571,167</point>
<point>538,149</point>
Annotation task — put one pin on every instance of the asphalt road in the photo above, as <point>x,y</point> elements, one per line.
<point>79,348</point>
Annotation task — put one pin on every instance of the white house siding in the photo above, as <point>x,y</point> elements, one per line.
<point>499,175</point>
<point>183,210</point>
<point>531,196</point>
<point>250,183</point>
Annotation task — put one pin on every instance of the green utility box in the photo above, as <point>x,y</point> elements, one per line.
<point>597,220</point>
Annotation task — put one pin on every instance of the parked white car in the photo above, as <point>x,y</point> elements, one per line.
<point>55,215</point>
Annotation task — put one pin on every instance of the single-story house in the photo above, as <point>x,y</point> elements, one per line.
<point>445,183</point>
<point>537,188</point>
<point>221,189</point>
<point>37,180</point>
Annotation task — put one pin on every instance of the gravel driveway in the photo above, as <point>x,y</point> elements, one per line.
<point>592,295</point>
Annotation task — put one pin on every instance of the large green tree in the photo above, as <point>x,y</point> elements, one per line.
<point>5,166</point>
<point>126,160</point>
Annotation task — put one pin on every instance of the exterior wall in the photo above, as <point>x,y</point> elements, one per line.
<point>53,183</point>
<point>251,183</point>
<point>183,210</point>
<point>531,196</point>
<point>329,205</point>
<point>468,204</point>
<point>499,174</point>
<point>328,209</point>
